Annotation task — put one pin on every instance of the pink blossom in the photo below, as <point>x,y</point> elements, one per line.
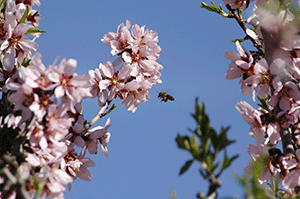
<point>146,38</point>
<point>285,118</point>
<point>8,63</point>
<point>25,100</point>
<point>242,61</point>
<point>16,42</point>
<point>37,137</point>
<point>252,117</point>
<point>138,62</point>
<point>286,95</point>
<point>256,152</point>
<point>136,92</point>
<point>273,132</point>
<point>95,78</point>
<point>25,96</point>
<point>77,130</point>
<point>77,166</point>
<point>55,178</point>
<point>249,114</point>
<point>234,4</point>
<point>43,74</point>
<point>241,66</point>
<point>101,134</point>
<point>69,84</point>
<point>58,123</point>
<point>119,41</point>
<point>139,53</point>
<point>84,173</point>
<point>32,2</point>
<point>260,78</point>
<point>112,80</point>
<point>292,179</point>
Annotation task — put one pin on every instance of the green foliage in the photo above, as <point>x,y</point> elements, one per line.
<point>204,145</point>
<point>214,8</point>
<point>252,188</point>
<point>26,62</point>
<point>39,186</point>
<point>25,15</point>
<point>30,30</point>
<point>186,166</point>
<point>2,5</point>
<point>34,30</point>
<point>264,102</point>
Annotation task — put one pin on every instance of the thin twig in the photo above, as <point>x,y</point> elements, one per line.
<point>101,113</point>
<point>241,22</point>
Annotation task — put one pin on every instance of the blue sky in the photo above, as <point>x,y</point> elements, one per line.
<point>144,161</point>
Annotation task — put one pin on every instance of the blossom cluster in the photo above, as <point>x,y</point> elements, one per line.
<point>138,52</point>
<point>41,120</point>
<point>272,73</point>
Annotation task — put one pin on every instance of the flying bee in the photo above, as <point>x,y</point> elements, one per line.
<point>165,97</point>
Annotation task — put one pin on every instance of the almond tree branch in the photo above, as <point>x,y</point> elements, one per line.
<point>241,22</point>
<point>101,113</point>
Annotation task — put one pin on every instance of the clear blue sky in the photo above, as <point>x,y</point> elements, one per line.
<point>144,160</point>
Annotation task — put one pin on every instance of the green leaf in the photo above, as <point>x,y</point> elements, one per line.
<point>186,166</point>
<point>221,8</point>
<point>239,40</point>
<point>193,145</point>
<point>201,119</point>
<point>205,145</point>
<point>25,15</point>
<point>209,8</point>
<point>213,4</point>
<point>26,62</point>
<point>210,162</point>
<point>113,107</point>
<point>2,4</point>
<point>39,186</point>
<point>214,139</point>
<point>239,11</point>
<point>34,30</point>
<point>187,144</point>
<point>180,140</point>
<point>259,166</point>
<point>223,140</point>
<point>264,102</point>
<point>214,8</point>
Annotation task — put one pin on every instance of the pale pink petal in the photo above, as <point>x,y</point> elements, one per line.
<point>127,57</point>
<point>104,150</point>
<point>59,91</point>
<point>107,69</point>
<point>285,103</point>
<point>148,65</point>
<point>291,180</point>
<point>70,67</point>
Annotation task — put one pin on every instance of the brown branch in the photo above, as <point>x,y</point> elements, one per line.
<point>241,22</point>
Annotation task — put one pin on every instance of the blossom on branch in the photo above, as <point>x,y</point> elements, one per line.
<point>41,118</point>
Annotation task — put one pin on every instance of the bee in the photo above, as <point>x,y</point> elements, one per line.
<point>165,97</point>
